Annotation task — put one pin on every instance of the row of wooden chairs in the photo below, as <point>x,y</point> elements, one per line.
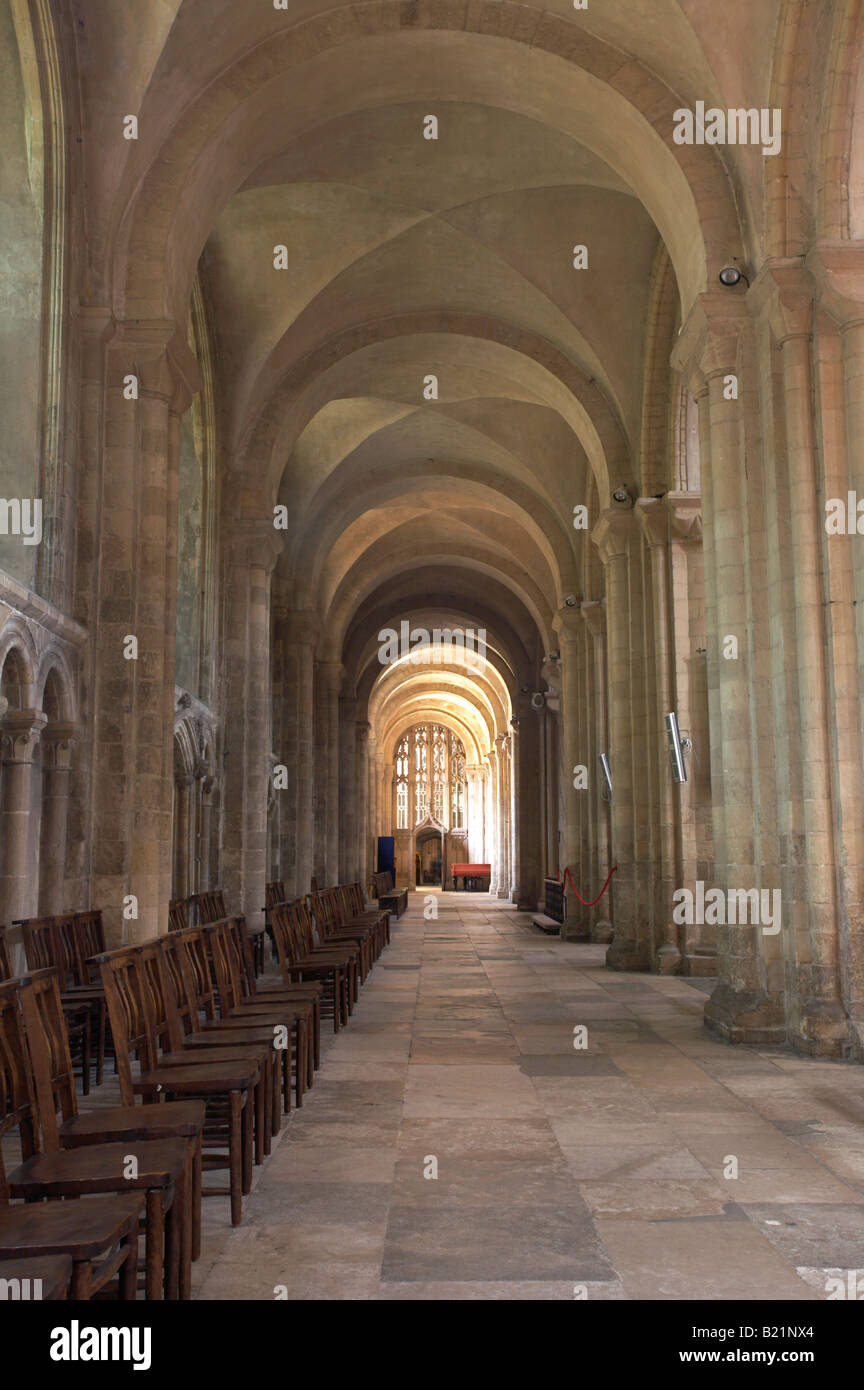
<point>136,1165</point>
<point>215,1055</point>
<point>201,908</point>
<point>66,942</point>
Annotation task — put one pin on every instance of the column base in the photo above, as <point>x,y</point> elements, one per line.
<point>602,932</point>
<point>745,1016</point>
<point>628,955</point>
<point>668,960</point>
<point>702,964</point>
<point>822,1030</point>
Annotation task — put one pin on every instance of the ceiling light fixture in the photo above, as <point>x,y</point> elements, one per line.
<point>730,276</point>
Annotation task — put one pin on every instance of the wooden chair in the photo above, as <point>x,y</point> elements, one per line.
<point>301,959</point>
<point>238,1008</point>
<point>305,933</point>
<point>129,1125</point>
<point>178,915</point>
<point>50,943</point>
<point>99,1235</point>
<point>228,1088</point>
<point>162,1171</point>
<point>44,1279</point>
<point>395,900</point>
<point>323,915</point>
<point>309,993</point>
<point>346,913</point>
<point>176,1049</point>
<point>209,906</point>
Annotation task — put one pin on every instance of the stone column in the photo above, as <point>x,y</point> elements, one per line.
<point>208,786</point>
<point>361,827</point>
<point>492,811</point>
<point>348,808</point>
<point>567,624</point>
<point>182,796</point>
<point>599,858</point>
<point>515,804</point>
<point>474,791</point>
<point>614,534</point>
<point>329,684</point>
<point>19,737</point>
<point>299,635</point>
<point>372,782</point>
<point>134,596</point>
<point>56,749</point>
<point>253,550</point>
<point>653,517</point>
<point>502,890</point>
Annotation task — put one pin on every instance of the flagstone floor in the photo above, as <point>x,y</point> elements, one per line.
<point>607,1172</point>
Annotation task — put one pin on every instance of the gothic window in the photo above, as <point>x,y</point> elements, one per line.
<point>430,776</point>
<point>403,755</point>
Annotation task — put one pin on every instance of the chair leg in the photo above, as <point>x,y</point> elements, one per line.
<point>85,1054</point>
<point>235,1156</point>
<point>129,1267</point>
<point>197,1184</point>
<point>82,1275</point>
<point>247,1130</point>
<point>257,1104</point>
<point>100,1045</point>
<point>154,1245</point>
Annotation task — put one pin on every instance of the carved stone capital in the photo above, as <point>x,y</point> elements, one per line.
<point>594,616</point>
<point>56,743</point>
<point>685,510</point>
<point>254,543</point>
<point>783,293</point>
<point>837,268</point>
<point>20,733</point>
<point>613,533</point>
<point>654,521</point>
<point>708,341</point>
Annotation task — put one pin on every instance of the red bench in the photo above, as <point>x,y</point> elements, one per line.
<point>471,872</point>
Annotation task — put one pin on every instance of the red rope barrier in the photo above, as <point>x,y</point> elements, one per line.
<point>567,874</point>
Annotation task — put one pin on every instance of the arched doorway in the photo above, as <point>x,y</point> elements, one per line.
<point>429,854</point>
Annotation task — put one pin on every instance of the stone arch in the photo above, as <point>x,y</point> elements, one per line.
<point>690,200</point>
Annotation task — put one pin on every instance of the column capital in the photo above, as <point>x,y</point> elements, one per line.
<point>56,742</point>
<point>837,268</point>
<point>593,614</point>
<point>566,623</point>
<point>653,518</point>
<point>156,351</point>
<point>613,533</point>
<point>685,510</point>
<point>20,733</point>
<point>708,341</point>
<point>783,294</point>
<point>253,543</point>
<point>363,727</point>
<point>330,674</point>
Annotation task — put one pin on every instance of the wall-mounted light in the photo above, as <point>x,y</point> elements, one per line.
<point>620,495</point>
<point>606,773</point>
<point>571,601</point>
<point>677,744</point>
<point>730,276</point>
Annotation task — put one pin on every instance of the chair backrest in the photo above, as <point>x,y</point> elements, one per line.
<point>180,972</point>
<point>16,1090</point>
<point>44,1019</point>
<point>131,1026</point>
<point>5,963</point>
<point>39,943</point>
<point>225,954</point>
<point>199,982</point>
<point>274,893</point>
<point>210,906</point>
<point>178,915</point>
<point>162,1003</point>
<point>90,941</point>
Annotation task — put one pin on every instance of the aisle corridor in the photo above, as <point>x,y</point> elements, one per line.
<point>562,1172</point>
